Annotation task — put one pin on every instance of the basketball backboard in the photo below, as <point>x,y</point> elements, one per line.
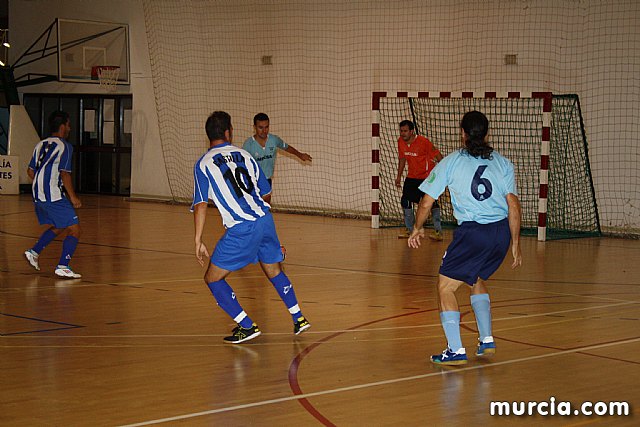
<point>69,50</point>
<point>83,45</point>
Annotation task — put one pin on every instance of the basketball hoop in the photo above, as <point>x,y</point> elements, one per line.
<point>107,76</point>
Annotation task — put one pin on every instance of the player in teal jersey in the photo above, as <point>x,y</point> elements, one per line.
<point>485,203</point>
<point>264,146</point>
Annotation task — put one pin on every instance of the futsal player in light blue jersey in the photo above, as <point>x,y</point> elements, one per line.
<point>485,203</point>
<point>53,195</point>
<point>232,179</point>
<point>263,146</point>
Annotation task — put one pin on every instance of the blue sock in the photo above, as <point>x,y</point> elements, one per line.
<point>437,223</point>
<point>226,299</point>
<point>482,309</point>
<point>451,324</point>
<point>46,238</point>
<point>69,245</point>
<point>408,218</point>
<point>285,289</point>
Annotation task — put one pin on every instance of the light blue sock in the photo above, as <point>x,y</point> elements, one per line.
<point>482,309</point>
<point>451,324</point>
<point>437,223</point>
<point>285,289</point>
<point>227,301</point>
<point>409,219</point>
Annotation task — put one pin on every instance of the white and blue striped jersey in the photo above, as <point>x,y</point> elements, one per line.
<point>232,179</point>
<point>478,186</point>
<point>50,157</point>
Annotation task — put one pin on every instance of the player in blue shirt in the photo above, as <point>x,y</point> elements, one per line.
<point>264,146</point>
<point>232,179</point>
<point>485,203</point>
<point>53,195</point>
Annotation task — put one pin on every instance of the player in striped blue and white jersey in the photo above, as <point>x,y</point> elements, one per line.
<point>53,194</point>
<point>232,179</point>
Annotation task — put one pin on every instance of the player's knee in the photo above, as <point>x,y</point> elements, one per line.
<point>74,231</point>
<point>479,288</point>
<point>210,277</point>
<point>214,274</point>
<point>271,270</point>
<point>55,231</point>
<point>445,288</point>
<point>406,203</point>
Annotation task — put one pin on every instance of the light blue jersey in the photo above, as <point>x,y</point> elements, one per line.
<point>50,157</point>
<point>232,179</point>
<point>478,187</point>
<point>266,157</point>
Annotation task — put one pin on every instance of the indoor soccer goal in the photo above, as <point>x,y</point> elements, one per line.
<point>542,134</point>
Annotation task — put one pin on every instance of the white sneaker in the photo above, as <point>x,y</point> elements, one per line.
<point>32,257</point>
<point>65,271</point>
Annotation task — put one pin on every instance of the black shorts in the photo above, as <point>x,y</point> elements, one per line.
<point>410,190</point>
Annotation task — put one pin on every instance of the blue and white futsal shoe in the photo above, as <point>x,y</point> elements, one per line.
<point>449,357</point>
<point>486,347</point>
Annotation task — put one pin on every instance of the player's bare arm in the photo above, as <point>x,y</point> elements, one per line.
<point>302,156</point>
<point>199,218</point>
<point>424,209</point>
<point>401,164</point>
<point>515,218</point>
<point>31,173</point>
<point>68,187</point>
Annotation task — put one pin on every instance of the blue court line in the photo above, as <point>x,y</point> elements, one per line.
<point>65,325</point>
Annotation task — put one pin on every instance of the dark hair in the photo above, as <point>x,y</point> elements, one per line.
<point>260,117</point>
<point>217,123</point>
<point>476,125</point>
<point>57,119</point>
<point>408,123</point>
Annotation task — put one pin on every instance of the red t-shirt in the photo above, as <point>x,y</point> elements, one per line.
<point>420,156</point>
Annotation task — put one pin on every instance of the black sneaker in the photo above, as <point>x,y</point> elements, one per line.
<point>301,325</point>
<point>240,334</point>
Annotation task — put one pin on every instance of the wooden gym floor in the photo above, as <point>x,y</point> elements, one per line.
<point>138,340</point>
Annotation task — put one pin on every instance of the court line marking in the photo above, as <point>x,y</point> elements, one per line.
<point>376,384</point>
<point>430,325</point>
<point>560,293</point>
<point>438,335</point>
<point>141,285</point>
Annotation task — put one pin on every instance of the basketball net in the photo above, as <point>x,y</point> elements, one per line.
<point>108,77</point>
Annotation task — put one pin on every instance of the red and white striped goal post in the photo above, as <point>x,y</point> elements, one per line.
<point>545,138</point>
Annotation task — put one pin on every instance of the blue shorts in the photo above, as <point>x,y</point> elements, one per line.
<point>477,251</point>
<point>60,213</point>
<point>247,243</point>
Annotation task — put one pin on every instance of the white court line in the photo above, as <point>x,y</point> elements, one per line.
<point>376,384</point>
<point>259,344</point>
<point>541,292</point>
<point>199,278</point>
<point>429,325</point>
<point>559,293</point>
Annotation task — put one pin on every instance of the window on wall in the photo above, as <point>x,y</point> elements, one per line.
<point>101,137</point>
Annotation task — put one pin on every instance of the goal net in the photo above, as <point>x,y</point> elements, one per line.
<point>312,67</point>
<point>541,134</point>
